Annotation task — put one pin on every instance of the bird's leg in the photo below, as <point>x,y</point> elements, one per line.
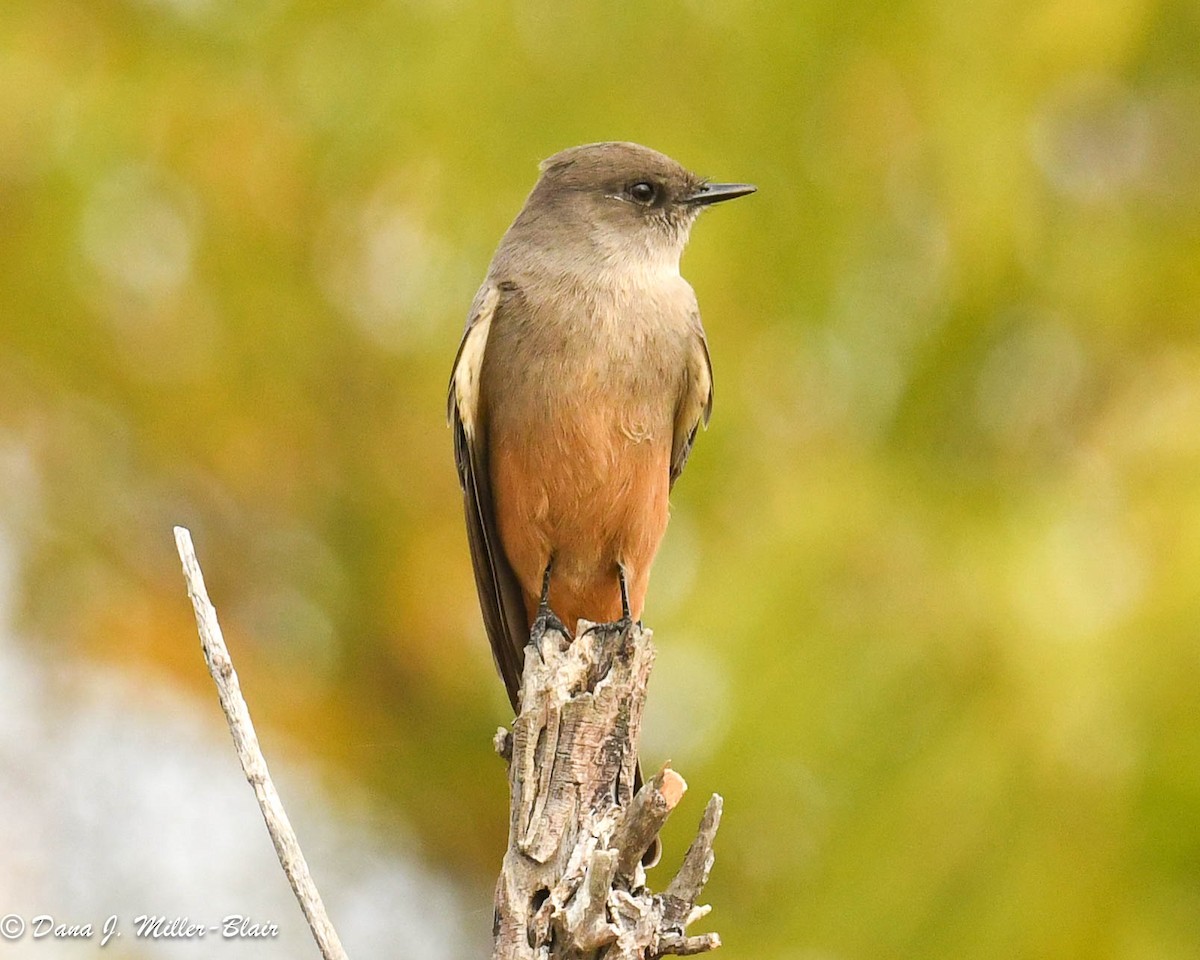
<point>626,620</point>
<point>546,620</point>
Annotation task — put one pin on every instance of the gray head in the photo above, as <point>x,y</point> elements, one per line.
<point>618,200</point>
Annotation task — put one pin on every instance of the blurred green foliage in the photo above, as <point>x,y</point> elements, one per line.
<point>934,562</point>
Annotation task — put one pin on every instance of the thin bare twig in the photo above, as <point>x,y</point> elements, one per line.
<point>254,764</point>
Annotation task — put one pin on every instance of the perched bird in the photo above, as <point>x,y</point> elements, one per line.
<point>579,385</point>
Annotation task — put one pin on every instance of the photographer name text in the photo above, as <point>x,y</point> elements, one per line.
<point>235,926</point>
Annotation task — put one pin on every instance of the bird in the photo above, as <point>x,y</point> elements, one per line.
<point>580,383</point>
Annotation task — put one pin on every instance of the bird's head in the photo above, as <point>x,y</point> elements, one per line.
<point>620,202</point>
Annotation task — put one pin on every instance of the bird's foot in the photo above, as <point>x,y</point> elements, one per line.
<point>625,621</point>
<point>545,622</point>
<point>621,624</point>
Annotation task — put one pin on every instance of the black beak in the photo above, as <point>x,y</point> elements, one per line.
<point>716,192</point>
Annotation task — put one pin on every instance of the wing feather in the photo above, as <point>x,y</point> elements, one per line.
<point>695,402</point>
<point>500,597</point>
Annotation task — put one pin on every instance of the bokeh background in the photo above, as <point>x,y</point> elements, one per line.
<point>928,611</point>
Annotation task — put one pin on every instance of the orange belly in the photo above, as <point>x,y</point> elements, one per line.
<point>589,494</point>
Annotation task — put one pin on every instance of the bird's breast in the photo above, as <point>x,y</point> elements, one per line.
<point>580,389</point>
<point>563,345</point>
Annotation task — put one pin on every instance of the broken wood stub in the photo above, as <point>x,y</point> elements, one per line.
<point>572,884</point>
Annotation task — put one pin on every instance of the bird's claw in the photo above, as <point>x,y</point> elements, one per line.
<point>546,622</point>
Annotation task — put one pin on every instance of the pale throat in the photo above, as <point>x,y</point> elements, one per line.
<point>641,259</point>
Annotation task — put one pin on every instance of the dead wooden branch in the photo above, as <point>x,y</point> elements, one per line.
<point>254,764</point>
<point>572,884</point>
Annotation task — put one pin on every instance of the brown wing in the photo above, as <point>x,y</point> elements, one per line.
<point>695,402</point>
<point>499,592</point>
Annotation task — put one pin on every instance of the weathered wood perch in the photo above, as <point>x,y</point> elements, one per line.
<point>572,884</point>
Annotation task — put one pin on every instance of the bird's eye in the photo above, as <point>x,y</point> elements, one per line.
<point>643,192</point>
